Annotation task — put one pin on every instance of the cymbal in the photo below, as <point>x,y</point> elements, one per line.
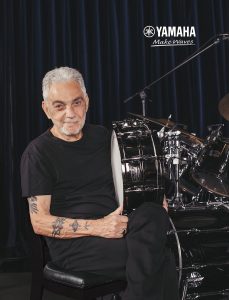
<point>223,107</point>
<point>169,124</point>
<point>161,122</point>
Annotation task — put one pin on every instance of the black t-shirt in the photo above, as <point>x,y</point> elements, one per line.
<point>77,175</point>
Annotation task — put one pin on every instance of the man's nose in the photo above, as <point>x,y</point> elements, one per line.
<point>70,112</point>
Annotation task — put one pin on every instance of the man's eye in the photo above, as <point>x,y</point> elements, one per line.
<point>59,106</point>
<point>78,102</point>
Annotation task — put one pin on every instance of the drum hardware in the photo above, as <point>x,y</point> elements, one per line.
<point>204,200</point>
<point>161,132</point>
<point>206,295</point>
<point>217,206</point>
<point>193,280</point>
<point>144,99</point>
<point>139,158</point>
<point>195,198</point>
<point>215,133</point>
<point>131,133</point>
<point>187,153</point>
<point>196,230</point>
<point>219,203</point>
<point>140,188</point>
<point>217,126</point>
<point>172,150</point>
<point>202,266</point>
<point>223,166</point>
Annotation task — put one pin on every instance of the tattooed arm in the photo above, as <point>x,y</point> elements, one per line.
<point>111,226</point>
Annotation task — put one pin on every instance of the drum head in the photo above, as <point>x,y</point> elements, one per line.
<point>116,168</point>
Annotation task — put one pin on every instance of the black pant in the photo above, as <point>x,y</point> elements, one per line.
<point>150,268</point>
<point>142,256</point>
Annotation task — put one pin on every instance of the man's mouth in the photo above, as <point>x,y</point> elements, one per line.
<point>71,122</point>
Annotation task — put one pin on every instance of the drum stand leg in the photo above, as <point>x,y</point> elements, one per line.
<point>177,200</point>
<point>185,289</point>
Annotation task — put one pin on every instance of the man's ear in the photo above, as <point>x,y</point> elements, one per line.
<point>46,108</point>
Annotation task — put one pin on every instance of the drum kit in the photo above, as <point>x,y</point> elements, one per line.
<point>153,156</point>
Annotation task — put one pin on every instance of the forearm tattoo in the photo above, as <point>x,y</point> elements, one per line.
<point>86,226</point>
<point>75,226</point>
<point>33,205</point>
<point>57,226</point>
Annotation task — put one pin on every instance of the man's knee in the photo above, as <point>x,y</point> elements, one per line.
<point>149,215</point>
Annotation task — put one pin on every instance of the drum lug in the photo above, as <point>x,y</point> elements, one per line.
<point>193,280</point>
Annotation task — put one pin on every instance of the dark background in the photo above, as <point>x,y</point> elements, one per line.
<point>104,40</point>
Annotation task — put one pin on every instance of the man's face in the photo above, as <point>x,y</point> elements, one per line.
<point>66,106</point>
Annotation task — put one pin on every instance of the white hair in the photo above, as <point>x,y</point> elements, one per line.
<point>61,74</point>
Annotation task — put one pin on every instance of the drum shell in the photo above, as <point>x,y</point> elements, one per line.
<point>203,234</point>
<point>142,163</point>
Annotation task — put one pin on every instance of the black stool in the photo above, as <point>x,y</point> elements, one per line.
<point>76,285</point>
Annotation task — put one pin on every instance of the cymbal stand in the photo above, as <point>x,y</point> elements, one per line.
<point>143,97</point>
<point>173,155</point>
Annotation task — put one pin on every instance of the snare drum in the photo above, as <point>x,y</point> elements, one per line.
<point>137,164</point>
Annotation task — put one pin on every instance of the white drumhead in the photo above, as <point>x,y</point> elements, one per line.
<point>116,168</point>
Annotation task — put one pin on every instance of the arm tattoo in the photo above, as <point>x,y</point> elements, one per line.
<point>75,225</point>
<point>57,226</point>
<point>86,226</point>
<point>33,204</point>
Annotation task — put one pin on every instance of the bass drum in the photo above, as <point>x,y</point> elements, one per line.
<point>137,164</point>
<point>199,238</point>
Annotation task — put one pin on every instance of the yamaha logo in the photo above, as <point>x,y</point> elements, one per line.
<point>170,35</point>
<point>149,31</point>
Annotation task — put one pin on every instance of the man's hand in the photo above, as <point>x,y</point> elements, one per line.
<point>112,226</point>
<point>165,204</point>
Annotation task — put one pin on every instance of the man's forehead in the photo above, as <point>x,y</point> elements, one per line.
<point>67,84</point>
<point>61,90</point>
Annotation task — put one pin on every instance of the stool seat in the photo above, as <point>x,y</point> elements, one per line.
<point>77,279</point>
<point>78,285</point>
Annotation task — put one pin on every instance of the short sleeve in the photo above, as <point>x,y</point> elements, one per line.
<point>36,175</point>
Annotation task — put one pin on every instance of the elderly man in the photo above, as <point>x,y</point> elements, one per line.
<point>67,179</point>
